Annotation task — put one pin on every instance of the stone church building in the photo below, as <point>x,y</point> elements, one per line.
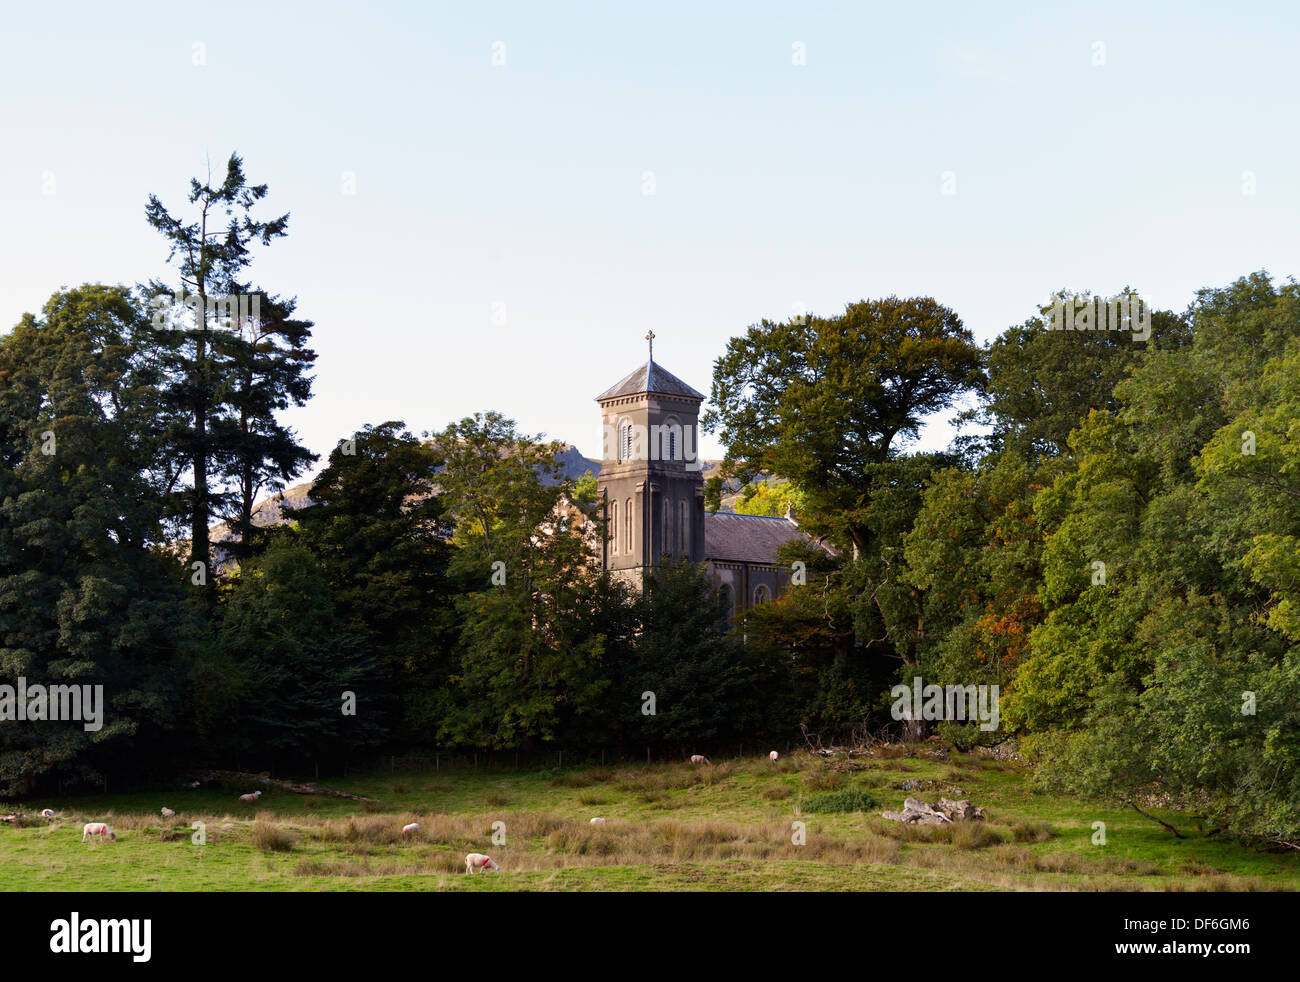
<point>652,491</point>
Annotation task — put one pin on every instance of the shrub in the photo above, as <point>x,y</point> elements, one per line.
<point>272,838</point>
<point>1027,831</point>
<point>848,800</point>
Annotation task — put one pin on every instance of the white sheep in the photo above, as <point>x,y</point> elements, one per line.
<point>597,821</point>
<point>168,813</point>
<point>773,756</point>
<point>47,813</point>
<point>250,797</point>
<point>413,827</point>
<point>97,828</point>
<point>699,759</point>
<point>476,861</point>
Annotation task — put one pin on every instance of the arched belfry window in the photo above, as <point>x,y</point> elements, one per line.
<point>625,440</point>
<point>671,438</point>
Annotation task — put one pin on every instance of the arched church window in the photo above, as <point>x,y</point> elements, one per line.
<point>683,531</point>
<point>761,594</point>
<point>627,523</point>
<point>625,440</point>
<point>613,525</point>
<point>729,606</point>
<point>672,430</point>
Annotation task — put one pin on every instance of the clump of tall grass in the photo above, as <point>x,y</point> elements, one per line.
<point>824,780</point>
<point>272,838</point>
<point>974,835</point>
<point>1027,831</point>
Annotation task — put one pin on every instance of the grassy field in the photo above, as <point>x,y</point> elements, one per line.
<point>727,826</point>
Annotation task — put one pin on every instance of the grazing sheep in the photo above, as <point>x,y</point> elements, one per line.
<point>168,813</point>
<point>250,797</point>
<point>97,828</point>
<point>47,813</point>
<point>773,756</point>
<point>476,861</point>
<point>413,827</point>
<point>699,759</point>
<point>194,784</point>
<point>597,821</point>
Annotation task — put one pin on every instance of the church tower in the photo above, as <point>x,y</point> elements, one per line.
<point>650,484</point>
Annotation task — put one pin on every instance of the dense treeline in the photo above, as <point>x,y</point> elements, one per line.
<point>1117,549</point>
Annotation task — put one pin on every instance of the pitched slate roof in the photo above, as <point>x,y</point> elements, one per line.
<point>747,538</point>
<point>650,377</point>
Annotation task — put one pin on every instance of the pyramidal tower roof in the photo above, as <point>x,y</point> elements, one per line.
<point>650,378</point>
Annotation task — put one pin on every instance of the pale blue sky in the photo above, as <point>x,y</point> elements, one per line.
<point>521,184</point>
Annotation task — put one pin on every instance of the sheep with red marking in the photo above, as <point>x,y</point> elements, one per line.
<point>699,759</point>
<point>252,796</point>
<point>476,862</point>
<point>99,829</point>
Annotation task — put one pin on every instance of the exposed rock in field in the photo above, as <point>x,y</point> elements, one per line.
<point>1006,750</point>
<point>961,811</point>
<point>947,811</point>
<point>925,784</point>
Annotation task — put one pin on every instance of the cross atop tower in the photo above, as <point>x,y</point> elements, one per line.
<point>650,336</point>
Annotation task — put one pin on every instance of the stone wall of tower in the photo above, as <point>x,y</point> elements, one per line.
<point>657,487</point>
